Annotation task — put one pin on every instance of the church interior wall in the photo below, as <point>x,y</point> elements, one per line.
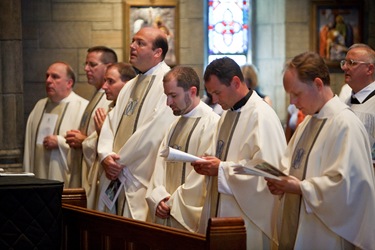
<point>62,30</point>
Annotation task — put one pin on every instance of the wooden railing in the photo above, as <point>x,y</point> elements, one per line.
<point>89,229</point>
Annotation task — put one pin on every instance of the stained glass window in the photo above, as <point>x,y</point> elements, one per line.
<point>228,30</point>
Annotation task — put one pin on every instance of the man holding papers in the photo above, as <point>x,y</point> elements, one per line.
<point>248,130</point>
<point>45,147</point>
<point>132,132</point>
<point>176,194</point>
<point>329,195</point>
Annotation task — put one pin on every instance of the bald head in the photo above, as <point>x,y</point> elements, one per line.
<point>148,48</point>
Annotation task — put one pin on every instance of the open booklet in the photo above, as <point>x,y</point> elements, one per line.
<point>110,194</point>
<point>172,154</point>
<point>259,168</point>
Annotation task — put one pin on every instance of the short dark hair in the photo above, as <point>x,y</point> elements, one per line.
<point>108,55</point>
<point>309,65</point>
<point>161,42</point>
<point>186,77</point>
<point>126,70</point>
<point>225,69</point>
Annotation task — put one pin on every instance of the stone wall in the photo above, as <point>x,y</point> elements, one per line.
<point>11,88</point>
<point>36,33</point>
<point>63,30</point>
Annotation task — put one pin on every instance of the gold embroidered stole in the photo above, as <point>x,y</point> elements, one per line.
<point>292,202</point>
<point>180,138</point>
<point>222,147</point>
<point>129,120</point>
<point>42,155</point>
<point>86,117</point>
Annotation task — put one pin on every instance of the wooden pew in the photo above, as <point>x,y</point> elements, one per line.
<point>74,196</point>
<point>88,229</point>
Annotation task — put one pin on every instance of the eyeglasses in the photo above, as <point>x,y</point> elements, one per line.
<point>350,63</point>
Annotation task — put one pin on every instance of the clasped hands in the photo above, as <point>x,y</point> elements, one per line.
<point>111,168</point>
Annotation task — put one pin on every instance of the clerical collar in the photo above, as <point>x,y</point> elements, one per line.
<point>364,94</point>
<point>243,101</point>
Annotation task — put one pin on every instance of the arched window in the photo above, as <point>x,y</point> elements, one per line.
<point>229,30</point>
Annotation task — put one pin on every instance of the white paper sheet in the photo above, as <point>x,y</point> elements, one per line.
<point>46,127</point>
<point>172,154</point>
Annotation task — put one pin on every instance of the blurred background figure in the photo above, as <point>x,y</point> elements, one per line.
<point>207,98</point>
<point>251,78</point>
<point>295,117</point>
<point>345,92</point>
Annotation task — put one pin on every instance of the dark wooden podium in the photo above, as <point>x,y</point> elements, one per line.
<point>30,213</point>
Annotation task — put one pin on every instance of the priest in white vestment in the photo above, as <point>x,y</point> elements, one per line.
<point>248,130</point>
<point>359,68</point>
<point>116,76</point>
<point>176,194</point>
<point>329,195</point>
<point>46,151</point>
<point>132,132</point>
<point>97,60</point>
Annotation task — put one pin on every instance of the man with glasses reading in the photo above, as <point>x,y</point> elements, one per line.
<point>359,69</point>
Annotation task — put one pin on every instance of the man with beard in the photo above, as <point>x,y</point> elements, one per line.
<point>176,194</point>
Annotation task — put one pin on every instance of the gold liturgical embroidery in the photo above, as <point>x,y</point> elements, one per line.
<point>42,155</point>
<point>128,123</point>
<point>222,147</point>
<point>179,140</point>
<point>292,202</point>
<point>83,126</point>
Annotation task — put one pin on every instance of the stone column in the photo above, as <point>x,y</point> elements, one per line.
<point>11,82</point>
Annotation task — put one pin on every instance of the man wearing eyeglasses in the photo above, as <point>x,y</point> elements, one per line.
<point>97,60</point>
<point>359,69</point>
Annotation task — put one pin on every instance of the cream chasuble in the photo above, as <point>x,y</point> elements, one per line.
<point>257,135</point>
<point>137,153</point>
<point>85,158</point>
<point>222,147</point>
<point>91,170</point>
<point>337,208</point>
<point>292,202</point>
<point>193,133</point>
<point>128,124</point>
<point>87,115</point>
<point>77,178</point>
<point>176,171</point>
<point>56,165</point>
<point>42,155</point>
